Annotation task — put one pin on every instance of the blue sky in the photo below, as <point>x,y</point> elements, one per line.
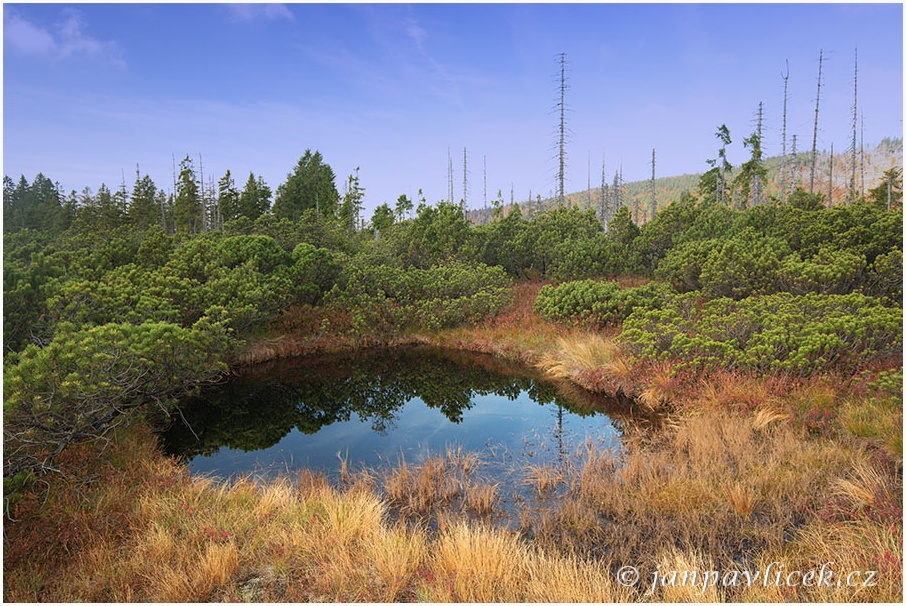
<point>91,90</point>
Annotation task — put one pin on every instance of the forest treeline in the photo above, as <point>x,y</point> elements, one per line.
<point>114,300</point>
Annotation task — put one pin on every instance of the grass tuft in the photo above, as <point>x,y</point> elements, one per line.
<point>544,478</point>
<point>481,499</point>
<point>741,499</point>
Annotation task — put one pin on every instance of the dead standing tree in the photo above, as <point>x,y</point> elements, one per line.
<point>450,175</point>
<point>794,168</point>
<point>561,143</point>
<point>465,182</point>
<point>811,185</point>
<point>786,78</point>
<point>852,178</point>
<point>653,188</point>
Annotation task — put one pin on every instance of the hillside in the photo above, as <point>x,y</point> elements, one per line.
<point>884,156</point>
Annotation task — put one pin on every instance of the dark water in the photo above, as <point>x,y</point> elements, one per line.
<point>374,409</point>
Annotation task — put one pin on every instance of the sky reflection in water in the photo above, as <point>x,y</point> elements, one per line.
<point>374,409</point>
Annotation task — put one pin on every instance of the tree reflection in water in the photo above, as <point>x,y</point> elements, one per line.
<point>261,406</point>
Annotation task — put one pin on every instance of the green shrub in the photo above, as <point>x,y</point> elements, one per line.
<point>76,386</point>
<point>802,335</point>
<point>595,304</point>
<point>831,271</point>
<point>682,266</point>
<point>383,298</point>
<point>746,264</point>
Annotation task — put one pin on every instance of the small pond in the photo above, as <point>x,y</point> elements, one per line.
<point>377,408</point>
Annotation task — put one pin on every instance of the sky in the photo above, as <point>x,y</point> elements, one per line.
<point>92,91</point>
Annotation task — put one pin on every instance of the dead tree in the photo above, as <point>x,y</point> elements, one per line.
<point>450,175</point>
<point>786,78</point>
<point>794,168</point>
<point>485,182</point>
<point>758,181</point>
<point>862,157</point>
<point>811,185</point>
<point>852,177</point>
<point>205,224</point>
<point>465,181</point>
<point>605,203</point>
<point>653,189</point>
<point>561,106</point>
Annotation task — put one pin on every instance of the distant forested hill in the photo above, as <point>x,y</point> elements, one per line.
<point>872,162</point>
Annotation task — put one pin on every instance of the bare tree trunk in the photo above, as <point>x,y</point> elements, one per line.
<point>811,186</point>
<point>786,78</point>
<point>450,174</point>
<point>622,186</point>
<point>605,217</point>
<point>794,168</point>
<point>862,158</point>
<point>217,218</point>
<point>758,185</point>
<point>174,191</point>
<point>830,180</point>
<point>485,182</point>
<point>561,173</point>
<point>653,189</point>
<point>852,178</point>
<point>204,205</point>
<point>465,182</point>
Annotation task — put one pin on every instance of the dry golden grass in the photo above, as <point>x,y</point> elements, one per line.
<point>741,499</point>
<point>865,560</point>
<point>683,577</point>
<point>567,579</point>
<point>543,478</point>
<point>767,416</point>
<point>620,372</point>
<point>710,483</point>
<point>421,488</point>
<point>864,488</point>
<point>517,333</point>
<point>479,563</point>
<point>662,389</point>
<point>467,462</point>
<point>879,420</point>
<point>735,475</point>
<point>578,353</point>
<point>591,360</point>
<point>480,499</point>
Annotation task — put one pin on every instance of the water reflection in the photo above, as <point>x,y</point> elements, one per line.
<point>303,412</point>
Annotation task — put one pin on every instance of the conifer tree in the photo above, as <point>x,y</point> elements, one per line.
<point>187,209</point>
<point>228,198</point>
<point>255,199</point>
<point>143,210</point>
<point>312,184</point>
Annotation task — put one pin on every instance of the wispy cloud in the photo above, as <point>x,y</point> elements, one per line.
<point>255,12</point>
<point>25,37</point>
<point>416,33</point>
<point>65,39</point>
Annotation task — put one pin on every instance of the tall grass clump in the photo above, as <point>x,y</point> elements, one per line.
<point>591,360</point>
<point>720,487</point>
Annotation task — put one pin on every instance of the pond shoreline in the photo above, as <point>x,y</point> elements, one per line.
<point>747,472</point>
